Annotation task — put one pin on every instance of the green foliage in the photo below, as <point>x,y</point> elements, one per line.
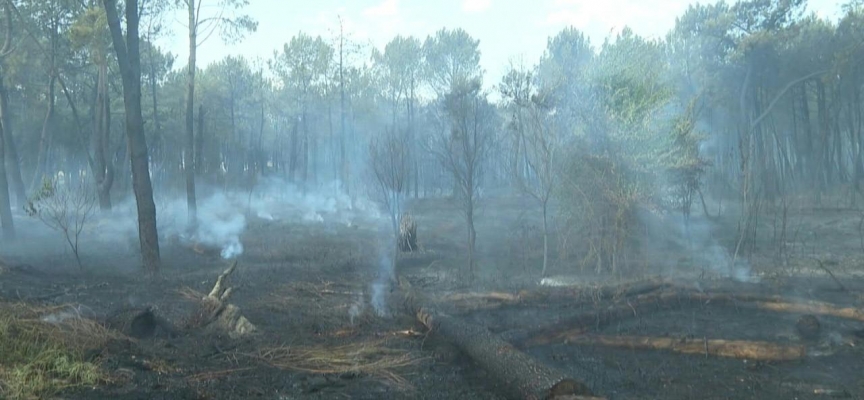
<point>452,60</point>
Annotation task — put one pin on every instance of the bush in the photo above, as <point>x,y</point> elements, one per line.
<point>64,209</point>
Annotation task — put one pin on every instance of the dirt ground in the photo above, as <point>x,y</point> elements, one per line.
<point>309,286</point>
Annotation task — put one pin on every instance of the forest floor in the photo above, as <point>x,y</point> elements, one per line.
<point>308,287</point>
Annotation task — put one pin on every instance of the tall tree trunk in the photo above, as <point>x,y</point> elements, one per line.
<point>129,59</point>
<point>45,137</point>
<point>305,151</point>
<point>545,237</point>
<point>6,220</point>
<point>12,161</point>
<point>189,150</point>
<point>343,160</point>
<point>104,171</point>
<point>472,239</point>
<point>295,152</point>
<point>8,149</point>
<point>199,144</point>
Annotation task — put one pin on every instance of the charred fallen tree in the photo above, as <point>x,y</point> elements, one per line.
<point>632,307</point>
<point>741,349</point>
<point>522,376</point>
<point>468,302</point>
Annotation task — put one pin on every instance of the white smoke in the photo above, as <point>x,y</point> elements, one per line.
<point>380,287</point>
<point>220,224</point>
<point>224,217</point>
<point>379,298</point>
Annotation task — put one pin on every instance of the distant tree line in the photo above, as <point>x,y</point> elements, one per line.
<point>756,99</point>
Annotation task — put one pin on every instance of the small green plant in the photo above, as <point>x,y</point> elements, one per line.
<point>63,209</point>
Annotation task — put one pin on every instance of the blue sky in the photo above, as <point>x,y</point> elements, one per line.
<point>507,29</point>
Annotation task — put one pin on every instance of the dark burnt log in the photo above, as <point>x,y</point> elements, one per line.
<point>520,375</point>
<point>468,302</point>
<point>740,349</point>
<point>594,319</point>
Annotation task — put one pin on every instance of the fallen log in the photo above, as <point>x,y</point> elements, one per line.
<point>787,305</point>
<point>741,349</point>
<point>652,302</point>
<point>467,302</point>
<point>594,318</point>
<point>522,376</point>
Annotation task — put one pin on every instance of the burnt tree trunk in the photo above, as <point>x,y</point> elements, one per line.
<point>129,59</point>
<point>199,144</point>
<point>45,137</point>
<point>6,220</point>
<point>103,167</point>
<point>521,376</point>
<point>8,225</point>
<point>12,160</point>
<point>189,148</point>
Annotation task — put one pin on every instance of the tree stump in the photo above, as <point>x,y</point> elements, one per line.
<point>407,233</point>
<point>217,315</point>
<point>140,323</point>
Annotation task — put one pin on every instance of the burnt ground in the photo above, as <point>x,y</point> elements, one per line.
<point>309,285</point>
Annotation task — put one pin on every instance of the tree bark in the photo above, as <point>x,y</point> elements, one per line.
<point>200,165</point>
<point>8,224</point>
<point>189,150</point>
<point>104,171</point>
<point>510,369</point>
<point>741,349</point>
<point>45,136</point>
<point>129,59</point>
<point>12,160</point>
<point>342,134</point>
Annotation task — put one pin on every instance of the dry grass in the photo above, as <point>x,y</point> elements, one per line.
<point>330,303</point>
<point>372,358</point>
<point>38,358</point>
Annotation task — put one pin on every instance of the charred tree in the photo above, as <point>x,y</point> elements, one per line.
<point>189,147</point>
<point>13,160</point>
<point>199,144</point>
<point>129,59</point>
<point>8,225</point>
<point>520,375</point>
<point>48,122</point>
<point>103,168</point>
